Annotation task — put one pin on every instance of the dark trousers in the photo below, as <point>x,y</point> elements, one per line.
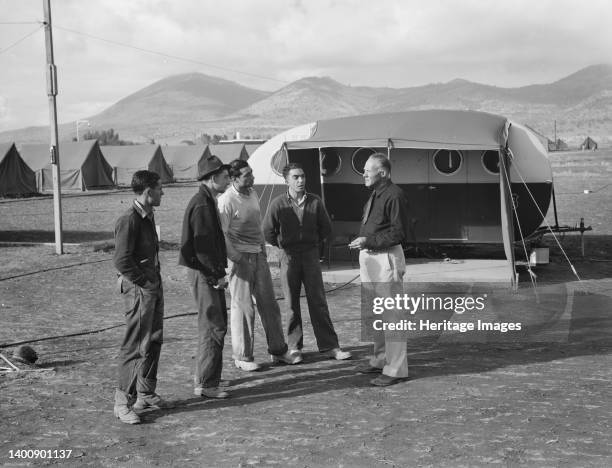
<point>304,268</point>
<point>141,345</point>
<point>212,326</point>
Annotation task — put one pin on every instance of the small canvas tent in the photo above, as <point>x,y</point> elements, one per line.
<point>82,166</point>
<point>560,145</point>
<point>16,177</point>
<point>185,159</point>
<point>588,144</point>
<point>227,152</point>
<point>251,147</point>
<point>125,160</point>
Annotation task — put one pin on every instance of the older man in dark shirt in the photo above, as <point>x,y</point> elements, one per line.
<point>381,260</point>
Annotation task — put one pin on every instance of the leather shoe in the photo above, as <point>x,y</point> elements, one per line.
<point>211,392</point>
<point>249,366</point>
<point>385,380</point>
<point>126,415</point>
<point>287,358</point>
<point>368,369</point>
<point>338,354</point>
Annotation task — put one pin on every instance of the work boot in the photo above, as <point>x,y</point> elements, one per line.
<point>152,400</point>
<point>122,411</point>
<point>287,358</point>
<point>337,354</point>
<point>211,392</point>
<point>248,366</point>
<point>126,415</point>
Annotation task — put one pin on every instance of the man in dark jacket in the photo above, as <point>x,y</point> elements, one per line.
<point>298,223</point>
<point>136,259</point>
<point>203,252</point>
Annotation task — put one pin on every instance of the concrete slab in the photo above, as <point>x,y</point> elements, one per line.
<point>425,270</point>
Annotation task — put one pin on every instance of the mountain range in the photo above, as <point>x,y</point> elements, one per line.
<point>182,106</point>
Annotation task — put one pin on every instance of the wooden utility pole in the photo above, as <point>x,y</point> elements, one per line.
<point>54,149</point>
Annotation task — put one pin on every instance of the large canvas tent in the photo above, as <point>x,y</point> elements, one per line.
<point>16,177</point>
<point>125,160</point>
<point>227,152</point>
<point>82,166</point>
<point>184,160</point>
<point>470,177</point>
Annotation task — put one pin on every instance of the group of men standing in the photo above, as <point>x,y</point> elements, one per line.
<point>223,245</point>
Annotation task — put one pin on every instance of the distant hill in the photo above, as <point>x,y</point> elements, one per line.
<point>180,106</point>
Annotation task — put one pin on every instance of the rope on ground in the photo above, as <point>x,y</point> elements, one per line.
<point>45,270</point>
<point>110,327</point>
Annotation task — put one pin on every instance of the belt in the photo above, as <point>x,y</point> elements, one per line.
<point>387,250</point>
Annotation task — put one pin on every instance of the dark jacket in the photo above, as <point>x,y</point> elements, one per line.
<point>136,248</point>
<point>282,226</point>
<point>387,222</point>
<point>202,241</point>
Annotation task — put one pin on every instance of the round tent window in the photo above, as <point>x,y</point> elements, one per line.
<point>447,162</point>
<point>359,158</point>
<point>278,161</point>
<point>330,162</point>
<point>490,161</point>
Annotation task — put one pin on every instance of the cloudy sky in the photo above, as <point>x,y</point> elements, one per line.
<point>266,44</point>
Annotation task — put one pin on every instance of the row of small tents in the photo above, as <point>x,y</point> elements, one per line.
<point>560,145</point>
<point>26,169</point>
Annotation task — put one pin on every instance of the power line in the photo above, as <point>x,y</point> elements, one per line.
<point>175,57</point>
<point>19,22</point>
<point>21,40</point>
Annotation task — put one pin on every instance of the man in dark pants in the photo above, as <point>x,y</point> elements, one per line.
<point>136,259</point>
<point>298,223</point>
<point>203,252</point>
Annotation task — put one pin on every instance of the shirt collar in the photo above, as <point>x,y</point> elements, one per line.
<point>300,201</point>
<point>379,191</point>
<point>142,211</point>
<point>204,190</point>
<point>240,193</point>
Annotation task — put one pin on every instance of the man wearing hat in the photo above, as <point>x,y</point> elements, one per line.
<point>203,252</point>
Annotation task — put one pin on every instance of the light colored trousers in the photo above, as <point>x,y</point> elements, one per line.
<point>384,267</point>
<point>247,279</point>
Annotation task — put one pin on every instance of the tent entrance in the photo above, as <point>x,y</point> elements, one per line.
<point>447,196</point>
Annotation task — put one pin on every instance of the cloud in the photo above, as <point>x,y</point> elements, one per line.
<point>396,43</point>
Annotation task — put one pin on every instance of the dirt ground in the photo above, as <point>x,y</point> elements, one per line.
<point>510,404</point>
<point>533,403</point>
